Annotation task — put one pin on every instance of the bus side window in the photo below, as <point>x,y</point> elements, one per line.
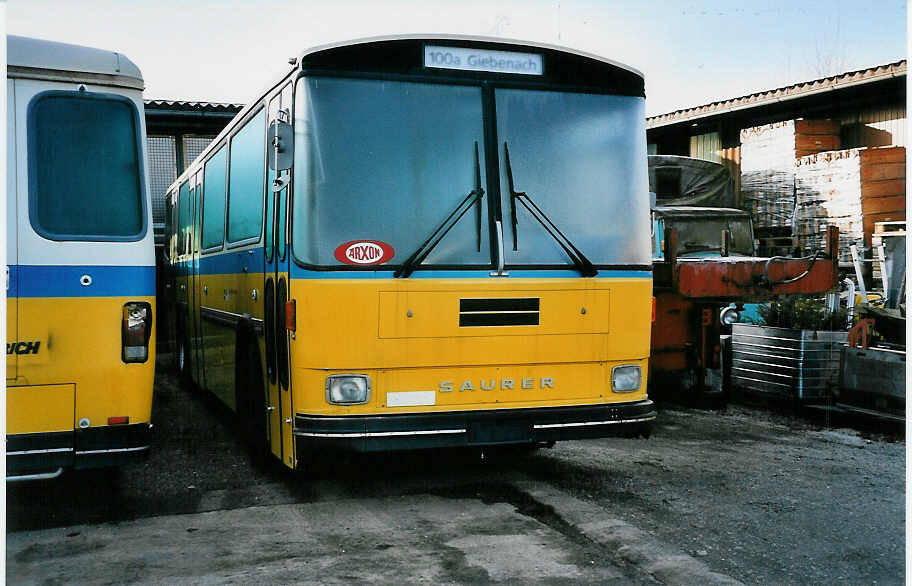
<point>246,178</point>
<point>167,250</point>
<point>214,200</point>
<point>183,225</point>
<point>197,217</point>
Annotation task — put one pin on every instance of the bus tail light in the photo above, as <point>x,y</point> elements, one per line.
<point>290,315</point>
<point>119,420</point>
<point>136,329</point>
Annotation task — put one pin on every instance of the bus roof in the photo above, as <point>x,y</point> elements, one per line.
<point>41,59</point>
<point>465,39</point>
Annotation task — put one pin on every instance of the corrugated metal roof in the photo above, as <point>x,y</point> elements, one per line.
<point>825,84</point>
<point>193,106</point>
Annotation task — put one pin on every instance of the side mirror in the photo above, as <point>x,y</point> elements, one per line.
<point>281,139</point>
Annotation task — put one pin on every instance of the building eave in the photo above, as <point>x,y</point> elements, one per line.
<point>783,94</point>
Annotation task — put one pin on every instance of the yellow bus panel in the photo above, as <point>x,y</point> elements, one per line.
<point>40,408</point>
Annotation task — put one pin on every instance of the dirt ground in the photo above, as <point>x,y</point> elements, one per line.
<point>743,495</point>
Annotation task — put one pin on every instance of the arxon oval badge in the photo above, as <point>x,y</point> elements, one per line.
<point>364,252</point>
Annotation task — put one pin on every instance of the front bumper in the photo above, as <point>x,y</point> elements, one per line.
<point>94,447</point>
<point>409,431</point>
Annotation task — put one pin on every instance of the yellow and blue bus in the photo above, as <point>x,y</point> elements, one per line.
<point>420,242</point>
<point>80,261</point>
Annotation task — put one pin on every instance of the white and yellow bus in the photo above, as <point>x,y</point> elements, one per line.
<point>80,261</point>
<point>420,242</point>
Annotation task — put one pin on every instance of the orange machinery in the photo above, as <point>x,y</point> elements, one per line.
<point>689,292</point>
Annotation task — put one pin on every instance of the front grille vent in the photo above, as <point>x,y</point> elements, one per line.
<point>523,311</point>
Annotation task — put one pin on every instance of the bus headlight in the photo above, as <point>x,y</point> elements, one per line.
<point>625,379</point>
<point>347,389</point>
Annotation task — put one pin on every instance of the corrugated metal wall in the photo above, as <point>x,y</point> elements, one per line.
<point>706,147</point>
<point>875,127</point>
<point>731,158</point>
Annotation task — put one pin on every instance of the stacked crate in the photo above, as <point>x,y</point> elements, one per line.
<point>851,189</point>
<point>768,155</point>
<point>827,192</point>
<point>883,187</point>
<point>885,231</point>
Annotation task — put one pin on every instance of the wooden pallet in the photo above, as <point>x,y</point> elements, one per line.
<point>882,229</point>
<point>890,227</point>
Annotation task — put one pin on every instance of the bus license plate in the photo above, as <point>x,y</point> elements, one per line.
<point>500,432</point>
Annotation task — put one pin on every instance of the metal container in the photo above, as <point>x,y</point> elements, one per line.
<point>792,364</point>
<point>873,379</point>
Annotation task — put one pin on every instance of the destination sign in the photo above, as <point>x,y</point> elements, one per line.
<point>483,60</point>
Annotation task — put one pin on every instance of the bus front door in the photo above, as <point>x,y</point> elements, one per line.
<point>193,282</point>
<point>281,418</point>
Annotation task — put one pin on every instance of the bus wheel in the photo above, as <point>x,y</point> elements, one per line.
<point>249,396</point>
<point>184,361</point>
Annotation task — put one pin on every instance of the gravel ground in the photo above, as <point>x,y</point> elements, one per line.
<point>761,496</point>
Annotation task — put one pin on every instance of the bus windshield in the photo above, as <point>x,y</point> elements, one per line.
<point>579,157</point>
<point>389,161</point>
<point>386,161</point>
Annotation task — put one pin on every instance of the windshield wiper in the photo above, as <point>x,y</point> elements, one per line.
<point>473,198</point>
<point>579,259</point>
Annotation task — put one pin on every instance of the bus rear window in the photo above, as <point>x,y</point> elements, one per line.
<point>85,178</point>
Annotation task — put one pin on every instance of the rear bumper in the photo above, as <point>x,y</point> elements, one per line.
<point>95,447</point>
<point>471,428</point>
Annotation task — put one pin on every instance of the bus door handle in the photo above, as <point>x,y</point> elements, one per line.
<point>206,289</point>
<point>270,409</point>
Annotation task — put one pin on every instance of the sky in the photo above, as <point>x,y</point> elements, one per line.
<point>691,52</point>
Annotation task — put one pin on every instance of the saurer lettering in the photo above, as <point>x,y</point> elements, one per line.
<point>23,347</point>
<point>504,384</point>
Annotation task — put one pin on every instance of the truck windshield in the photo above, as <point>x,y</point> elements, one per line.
<point>699,236</point>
